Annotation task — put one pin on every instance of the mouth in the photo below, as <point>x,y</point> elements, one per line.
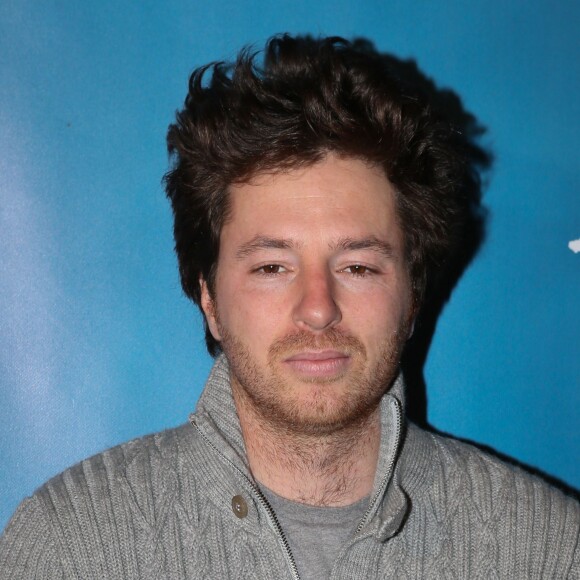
<point>323,364</point>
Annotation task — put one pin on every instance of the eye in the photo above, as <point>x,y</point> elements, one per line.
<point>358,270</point>
<point>270,269</point>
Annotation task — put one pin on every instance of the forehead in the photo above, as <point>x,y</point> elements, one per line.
<point>333,197</point>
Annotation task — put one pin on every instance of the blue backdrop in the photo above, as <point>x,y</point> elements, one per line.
<point>97,344</point>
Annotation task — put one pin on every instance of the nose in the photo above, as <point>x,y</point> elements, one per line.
<point>316,308</point>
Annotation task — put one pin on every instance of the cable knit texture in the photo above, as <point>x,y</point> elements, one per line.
<point>161,507</point>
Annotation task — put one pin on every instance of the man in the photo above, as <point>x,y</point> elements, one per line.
<point>314,200</point>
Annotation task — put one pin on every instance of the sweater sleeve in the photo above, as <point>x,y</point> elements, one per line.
<point>575,571</point>
<point>27,546</point>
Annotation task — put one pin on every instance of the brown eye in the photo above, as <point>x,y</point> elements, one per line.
<point>271,269</point>
<point>358,270</point>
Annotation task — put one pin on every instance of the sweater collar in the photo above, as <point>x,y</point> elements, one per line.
<point>217,418</point>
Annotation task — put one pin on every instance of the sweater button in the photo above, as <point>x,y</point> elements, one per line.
<point>239,506</point>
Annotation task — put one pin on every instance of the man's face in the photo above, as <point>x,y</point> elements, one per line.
<point>312,297</point>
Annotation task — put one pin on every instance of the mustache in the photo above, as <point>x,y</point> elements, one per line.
<point>333,339</point>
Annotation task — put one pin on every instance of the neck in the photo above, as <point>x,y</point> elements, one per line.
<point>333,469</point>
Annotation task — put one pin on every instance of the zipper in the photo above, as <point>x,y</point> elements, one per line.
<point>263,501</point>
<point>385,480</point>
<point>276,523</point>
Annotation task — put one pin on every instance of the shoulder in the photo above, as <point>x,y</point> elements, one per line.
<point>135,473</point>
<point>128,462</point>
<point>451,465</point>
<point>77,513</point>
<point>465,488</point>
<point>27,545</point>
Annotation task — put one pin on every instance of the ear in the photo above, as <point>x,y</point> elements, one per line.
<point>411,327</point>
<point>208,307</point>
<point>411,320</point>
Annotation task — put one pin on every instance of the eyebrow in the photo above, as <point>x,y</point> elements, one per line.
<point>369,243</point>
<point>261,243</point>
<point>345,244</point>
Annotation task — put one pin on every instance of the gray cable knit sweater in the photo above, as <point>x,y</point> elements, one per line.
<point>182,504</point>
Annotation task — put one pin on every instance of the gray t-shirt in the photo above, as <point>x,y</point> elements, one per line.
<point>316,534</point>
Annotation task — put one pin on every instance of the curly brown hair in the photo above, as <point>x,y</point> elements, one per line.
<point>308,97</point>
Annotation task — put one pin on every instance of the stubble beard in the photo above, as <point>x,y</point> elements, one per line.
<point>334,404</point>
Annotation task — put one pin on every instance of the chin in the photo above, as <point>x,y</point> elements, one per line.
<point>321,413</point>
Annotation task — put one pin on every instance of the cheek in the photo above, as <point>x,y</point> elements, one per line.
<point>379,315</point>
<point>255,317</point>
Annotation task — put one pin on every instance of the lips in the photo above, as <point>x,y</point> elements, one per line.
<point>317,356</point>
<point>327,363</point>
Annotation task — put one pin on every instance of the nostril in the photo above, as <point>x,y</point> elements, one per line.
<point>317,308</point>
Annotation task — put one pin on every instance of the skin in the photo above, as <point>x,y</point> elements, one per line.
<point>312,306</point>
